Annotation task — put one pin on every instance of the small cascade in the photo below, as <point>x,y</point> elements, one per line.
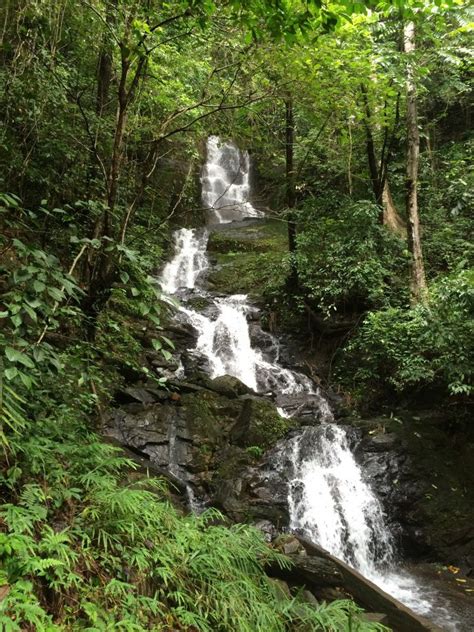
<point>226,343</point>
<point>177,470</point>
<point>331,503</point>
<point>188,262</point>
<point>226,183</point>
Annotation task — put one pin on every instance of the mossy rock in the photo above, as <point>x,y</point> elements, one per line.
<point>266,237</point>
<point>246,273</point>
<point>209,416</point>
<point>227,385</point>
<point>259,424</point>
<point>199,303</point>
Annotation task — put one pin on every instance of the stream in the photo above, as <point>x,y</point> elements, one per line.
<point>329,499</point>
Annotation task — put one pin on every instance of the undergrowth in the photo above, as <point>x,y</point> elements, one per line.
<point>85,543</point>
<point>82,548</point>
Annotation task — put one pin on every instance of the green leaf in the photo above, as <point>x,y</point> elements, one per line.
<point>26,379</point>
<point>124,276</point>
<point>154,319</point>
<point>169,342</point>
<point>157,345</point>
<point>55,293</point>
<point>16,320</point>
<point>31,312</point>
<point>17,356</point>
<point>39,286</point>
<point>11,372</point>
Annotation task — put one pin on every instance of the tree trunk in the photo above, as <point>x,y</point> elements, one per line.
<point>377,186</point>
<point>391,218</point>
<point>290,190</point>
<point>417,271</point>
<point>104,73</point>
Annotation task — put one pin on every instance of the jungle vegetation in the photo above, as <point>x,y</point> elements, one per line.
<point>358,119</point>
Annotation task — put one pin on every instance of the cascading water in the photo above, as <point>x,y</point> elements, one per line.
<point>331,503</point>
<point>188,262</point>
<point>226,183</point>
<point>225,341</point>
<point>328,498</point>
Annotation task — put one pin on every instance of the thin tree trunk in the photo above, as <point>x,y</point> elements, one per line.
<point>417,270</point>
<point>290,188</point>
<point>371,153</point>
<point>104,73</point>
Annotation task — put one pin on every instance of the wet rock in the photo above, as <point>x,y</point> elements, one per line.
<point>181,333</point>
<point>309,598</point>
<point>259,423</point>
<point>381,442</point>
<point>305,407</point>
<point>134,394</point>
<point>291,546</point>
<point>280,588</point>
<point>315,571</point>
<point>268,529</point>
<point>196,366</point>
<point>228,386</point>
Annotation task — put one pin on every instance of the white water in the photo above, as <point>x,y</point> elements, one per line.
<point>226,183</point>
<point>330,502</point>
<point>225,342</point>
<point>188,262</point>
<point>328,498</point>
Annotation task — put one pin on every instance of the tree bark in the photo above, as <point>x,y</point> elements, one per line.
<point>104,73</point>
<point>417,271</point>
<point>377,186</point>
<point>391,218</point>
<point>290,189</point>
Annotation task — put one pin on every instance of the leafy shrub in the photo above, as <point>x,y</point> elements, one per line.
<point>78,547</point>
<point>346,260</point>
<point>447,200</point>
<point>402,349</point>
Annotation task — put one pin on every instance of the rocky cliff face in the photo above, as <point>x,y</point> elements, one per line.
<point>218,441</point>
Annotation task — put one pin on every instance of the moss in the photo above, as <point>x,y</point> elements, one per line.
<point>209,414</point>
<point>247,273</point>
<point>198,303</point>
<point>267,237</point>
<point>260,425</point>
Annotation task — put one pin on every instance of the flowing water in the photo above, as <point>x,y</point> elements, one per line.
<point>333,505</point>
<point>188,262</point>
<point>329,499</point>
<point>225,183</point>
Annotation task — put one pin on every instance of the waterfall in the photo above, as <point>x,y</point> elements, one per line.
<point>225,342</point>
<point>331,503</point>
<point>226,183</point>
<point>328,498</point>
<point>188,262</point>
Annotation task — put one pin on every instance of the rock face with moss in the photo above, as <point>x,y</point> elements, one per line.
<point>210,434</point>
<point>221,440</point>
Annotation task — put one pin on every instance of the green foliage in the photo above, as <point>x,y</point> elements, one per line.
<point>255,451</point>
<point>346,260</point>
<point>448,200</point>
<point>80,547</point>
<point>426,345</point>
